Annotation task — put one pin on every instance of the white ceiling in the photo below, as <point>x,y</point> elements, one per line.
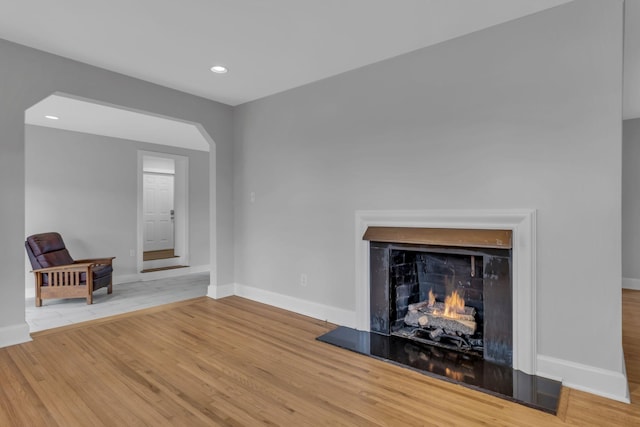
<point>268,46</point>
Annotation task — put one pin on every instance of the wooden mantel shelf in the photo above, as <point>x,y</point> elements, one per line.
<point>476,238</point>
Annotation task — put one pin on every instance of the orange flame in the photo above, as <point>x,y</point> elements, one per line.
<point>432,298</point>
<point>455,375</point>
<point>453,305</point>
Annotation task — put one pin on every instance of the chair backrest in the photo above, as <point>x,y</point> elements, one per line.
<point>47,250</point>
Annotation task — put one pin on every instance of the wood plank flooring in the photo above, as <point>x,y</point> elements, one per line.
<point>234,362</point>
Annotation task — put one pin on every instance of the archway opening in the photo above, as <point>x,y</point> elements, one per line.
<point>90,194</point>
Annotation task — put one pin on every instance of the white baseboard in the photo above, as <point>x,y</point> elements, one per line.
<point>602,382</point>
<point>307,308</point>
<point>155,275</point>
<point>221,291</point>
<point>14,334</point>
<point>628,283</point>
<point>295,305</point>
<point>125,278</point>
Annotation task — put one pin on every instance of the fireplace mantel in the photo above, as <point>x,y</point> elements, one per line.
<point>522,225</point>
<point>460,237</point>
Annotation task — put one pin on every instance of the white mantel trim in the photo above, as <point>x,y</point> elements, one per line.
<point>522,222</point>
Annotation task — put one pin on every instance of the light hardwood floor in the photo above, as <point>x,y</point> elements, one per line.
<point>235,362</point>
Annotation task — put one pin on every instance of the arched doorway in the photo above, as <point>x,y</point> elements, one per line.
<point>96,149</point>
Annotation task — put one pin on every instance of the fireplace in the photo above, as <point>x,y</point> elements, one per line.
<point>443,292</point>
<point>486,258</point>
<point>520,222</point>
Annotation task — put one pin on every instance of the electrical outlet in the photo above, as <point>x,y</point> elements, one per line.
<point>132,252</point>
<point>252,196</point>
<point>303,279</point>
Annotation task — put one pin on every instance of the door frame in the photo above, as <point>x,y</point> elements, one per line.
<point>181,207</point>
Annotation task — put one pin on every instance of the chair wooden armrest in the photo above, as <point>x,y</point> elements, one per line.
<point>99,261</point>
<point>64,281</point>
<point>68,267</point>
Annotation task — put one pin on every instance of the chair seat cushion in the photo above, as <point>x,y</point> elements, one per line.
<point>99,271</point>
<point>54,259</point>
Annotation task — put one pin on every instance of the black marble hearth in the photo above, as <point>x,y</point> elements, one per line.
<point>467,370</point>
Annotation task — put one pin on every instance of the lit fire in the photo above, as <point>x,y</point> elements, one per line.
<point>453,305</point>
<point>455,375</point>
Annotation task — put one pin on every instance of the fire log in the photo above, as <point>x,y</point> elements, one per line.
<point>438,309</point>
<point>466,327</point>
<point>418,305</point>
<point>423,316</point>
<point>435,334</point>
<point>411,318</point>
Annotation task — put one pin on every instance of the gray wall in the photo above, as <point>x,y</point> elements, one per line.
<point>522,115</point>
<point>631,203</point>
<point>89,194</point>
<point>26,77</point>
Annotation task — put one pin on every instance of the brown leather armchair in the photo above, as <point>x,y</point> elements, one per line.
<point>57,275</point>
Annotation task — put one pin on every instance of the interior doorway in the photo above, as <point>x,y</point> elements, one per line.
<point>158,208</point>
<point>114,138</point>
<point>162,211</point>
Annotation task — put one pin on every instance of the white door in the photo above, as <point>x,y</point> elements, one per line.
<point>158,211</point>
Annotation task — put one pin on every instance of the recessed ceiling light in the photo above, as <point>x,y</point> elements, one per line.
<point>51,117</point>
<point>219,69</point>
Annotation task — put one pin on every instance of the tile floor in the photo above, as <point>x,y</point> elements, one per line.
<point>126,297</point>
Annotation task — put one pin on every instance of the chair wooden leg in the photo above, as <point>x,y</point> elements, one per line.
<point>110,288</point>
<point>38,278</point>
<point>89,289</point>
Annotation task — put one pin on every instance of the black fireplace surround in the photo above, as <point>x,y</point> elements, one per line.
<point>404,274</point>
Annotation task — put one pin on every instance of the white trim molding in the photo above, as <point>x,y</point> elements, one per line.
<point>14,334</point>
<point>602,382</point>
<point>522,223</point>
<point>221,291</point>
<point>628,283</point>
<point>327,313</point>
